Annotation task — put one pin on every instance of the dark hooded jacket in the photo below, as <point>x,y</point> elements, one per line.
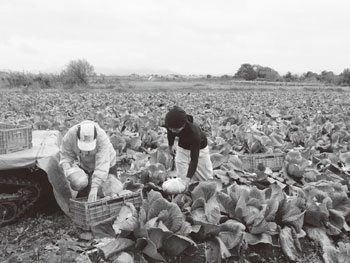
<point>190,138</point>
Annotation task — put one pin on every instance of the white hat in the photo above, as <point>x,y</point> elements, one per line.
<point>87,134</point>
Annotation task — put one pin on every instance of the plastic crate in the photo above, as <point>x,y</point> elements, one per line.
<point>15,138</point>
<point>87,214</point>
<point>274,161</point>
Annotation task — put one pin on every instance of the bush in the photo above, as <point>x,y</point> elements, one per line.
<point>247,72</point>
<point>328,77</point>
<point>226,77</point>
<point>310,77</point>
<point>43,81</point>
<point>267,73</point>
<point>289,77</point>
<point>18,79</point>
<point>345,77</point>
<point>77,73</point>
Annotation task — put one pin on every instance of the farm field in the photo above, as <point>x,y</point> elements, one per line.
<point>299,213</point>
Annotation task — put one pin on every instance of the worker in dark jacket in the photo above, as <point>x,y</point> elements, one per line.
<point>192,157</point>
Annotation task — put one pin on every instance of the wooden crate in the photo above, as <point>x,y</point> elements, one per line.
<point>15,138</point>
<point>87,214</point>
<point>274,161</point>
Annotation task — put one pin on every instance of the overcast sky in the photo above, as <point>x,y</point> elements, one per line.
<point>185,37</point>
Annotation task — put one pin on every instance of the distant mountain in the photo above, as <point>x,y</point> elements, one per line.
<point>129,71</point>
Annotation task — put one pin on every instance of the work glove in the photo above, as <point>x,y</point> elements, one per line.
<point>66,167</point>
<point>93,194</point>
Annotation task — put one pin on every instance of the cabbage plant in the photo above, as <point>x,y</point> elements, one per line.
<point>159,226</point>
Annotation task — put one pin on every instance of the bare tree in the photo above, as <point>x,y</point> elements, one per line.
<point>77,72</point>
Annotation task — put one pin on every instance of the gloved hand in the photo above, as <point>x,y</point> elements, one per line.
<point>187,181</point>
<point>65,168</point>
<point>93,194</point>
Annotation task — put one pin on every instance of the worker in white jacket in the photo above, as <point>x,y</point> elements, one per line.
<point>87,146</point>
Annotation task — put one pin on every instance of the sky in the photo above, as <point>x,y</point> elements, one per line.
<point>174,36</point>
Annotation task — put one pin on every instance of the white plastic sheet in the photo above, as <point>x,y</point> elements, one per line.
<point>45,154</point>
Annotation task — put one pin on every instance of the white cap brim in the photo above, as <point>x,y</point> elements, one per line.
<point>87,146</point>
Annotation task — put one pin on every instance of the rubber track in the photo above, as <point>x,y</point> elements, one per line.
<point>22,205</point>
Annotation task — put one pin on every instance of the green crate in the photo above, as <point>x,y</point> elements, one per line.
<point>87,214</point>
<point>14,138</point>
<point>274,161</point>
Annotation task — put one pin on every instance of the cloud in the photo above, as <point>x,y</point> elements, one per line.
<point>209,37</point>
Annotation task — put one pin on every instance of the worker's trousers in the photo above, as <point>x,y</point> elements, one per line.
<point>204,170</point>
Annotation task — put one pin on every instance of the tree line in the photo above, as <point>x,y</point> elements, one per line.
<point>78,72</point>
<point>257,72</point>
